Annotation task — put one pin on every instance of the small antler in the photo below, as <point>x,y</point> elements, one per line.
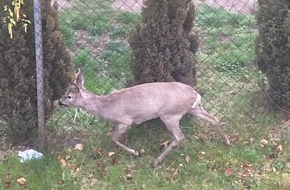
<point>76,76</point>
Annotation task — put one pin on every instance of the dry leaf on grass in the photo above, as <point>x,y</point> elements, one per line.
<point>187,159</point>
<point>21,181</point>
<point>142,151</point>
<point>100,151</point>
<point>79,146</point>
<point>234,138</point>
<point>74,167</point>
<point>7,184</point>
<point>229,171</point>
<point>114,160</point>
<point>128,177</point>
<point>110,154</point>
<point>202,155</point>
<point>246,166</point>
<point>62,162</point>
<point>279,148</point>
<point>164,144</point>
<point>263,143</point>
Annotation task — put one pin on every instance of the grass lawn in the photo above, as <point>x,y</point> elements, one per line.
<point>258,158</point>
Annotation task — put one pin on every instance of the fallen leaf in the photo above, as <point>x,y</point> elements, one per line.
<point>74,167</point>
<point>174,175</point>
<point>248,141</point>
<point>234,138</point>
<point>128,177</point>
<point>263,143</point>
<point>62,162</point>
<point>229,171</point>
<point>187,159</point>
<point>202,155</point>
<point>200,137</point>
<point>164,144</point>
<point>114,160</point>
<point>21,181</point>
<point>142,151</point>
<point>247,166</point>
<point>110,154</point>
<point>100,151</point>
<point>67,157</point>
<point>79,146</point>
<point>279,148</point>
<point>7,184</point>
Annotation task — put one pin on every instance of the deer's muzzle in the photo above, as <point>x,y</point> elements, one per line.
<point>61,104</point>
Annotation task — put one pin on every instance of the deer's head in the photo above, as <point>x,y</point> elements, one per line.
<point>75,93</point>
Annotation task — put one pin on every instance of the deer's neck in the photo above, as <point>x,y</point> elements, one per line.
<point>92,103</point>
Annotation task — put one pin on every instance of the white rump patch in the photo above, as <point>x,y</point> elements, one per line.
<point>197,101</point>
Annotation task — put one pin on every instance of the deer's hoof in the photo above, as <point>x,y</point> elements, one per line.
<point>227,142</point>
<point>155,163</point>
<point>137,154</point>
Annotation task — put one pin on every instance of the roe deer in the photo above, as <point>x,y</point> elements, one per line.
<point>169,101</point>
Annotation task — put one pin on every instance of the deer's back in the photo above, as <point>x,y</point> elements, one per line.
<point>148,101</point>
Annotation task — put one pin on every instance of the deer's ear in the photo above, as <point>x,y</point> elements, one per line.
<point>79,78</point>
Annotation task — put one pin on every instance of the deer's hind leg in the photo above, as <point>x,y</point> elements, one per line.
<point>199,112</point>
<point>172,124</point>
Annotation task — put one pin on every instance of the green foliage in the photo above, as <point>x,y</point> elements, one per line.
<point>106,53</point>
<point>13,15</point>
<point>111,66</point>
<point>163,45</point>
<point>222,18</point>
<point>272,48</point>
<point>96,22</point>
<point>229,39</point>
<point>18,78</point>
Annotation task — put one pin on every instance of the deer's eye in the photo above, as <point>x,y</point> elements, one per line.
<point>69,97</point>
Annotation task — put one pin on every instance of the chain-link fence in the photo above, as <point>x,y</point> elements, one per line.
<point>96,35</point>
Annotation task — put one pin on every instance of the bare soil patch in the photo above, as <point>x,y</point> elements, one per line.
<point>235,6</point>
<point>128,5</point>
<point>62,4</point>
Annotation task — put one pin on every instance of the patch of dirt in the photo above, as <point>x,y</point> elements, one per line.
<point>62,4</point>
<point>235,6</point>
<point>128,5</point>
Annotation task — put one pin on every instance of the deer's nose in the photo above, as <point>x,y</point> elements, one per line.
<point>60,103</point>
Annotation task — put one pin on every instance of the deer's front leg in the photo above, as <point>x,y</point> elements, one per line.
<point>120,130</point>
<point>172,124</point>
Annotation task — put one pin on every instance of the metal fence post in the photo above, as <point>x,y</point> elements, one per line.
<point>39,72</point>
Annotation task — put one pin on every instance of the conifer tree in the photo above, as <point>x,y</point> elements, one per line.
<point>273,47</point>
<point>18,103</point>
<point>164,45</point>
